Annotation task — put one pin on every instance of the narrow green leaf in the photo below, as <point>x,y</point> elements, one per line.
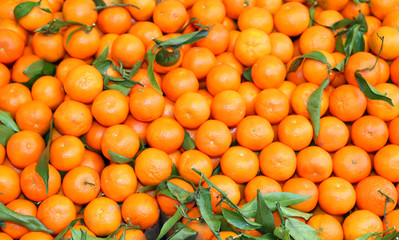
<point>6,119</point>
<point>248,75</point>
<point>63,232</point>
<point>30,222</point>
<point>188,142</point>
<point>217,170</point>
<point>358,43</point>
<point>316,55</point>
<point>342,23</point>
<point>55,25</point>
<point>169,224</point>
<point>340,67</point>
<point>237,220</point>
<point>42,164</point>
<point>295,64</point>
<point>390,235</point>
<point>35,68</point>
<point>339,44</point>
<point>300,231</point>
<point>311,14</point>
<point>365,236</point>
<point>263,215</point>
<point>101,63</point>
<point>369,91</point>
<point>175,172</point>
<point>135,69</point>
<point>122,89</point>
<point>150,56</point>
<point>180,194</point>
<point>117,158</point>
<point>313,107</point>
<point>5,134</point>
<point>290,212</point>
<point>23,9</point>
<point>284,198</point>
<point>268,236</point>
<point>184,233</point>
<point>99,3</point>
<point>184,39</point>
<point>147,188</point>
<point>203,200</point>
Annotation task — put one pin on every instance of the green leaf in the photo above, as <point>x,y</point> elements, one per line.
<point>203,200</point>
<point>169,224</point>
<point>135,69</point>
<point>290,212</point>
<point>365,236</point>
<point>167,58</point>
<point>35,68</point>
<point>358,43</point>
<point>369,91</point>
<point>23,9</point>
<point>38,69</point>
<point>239,221</point>
<point>313,107</point>
<point>42,164</point>
<point>311,14</point>
<point>183,233</point>
<point>63,232</point>
<point>175,172</point>
<point>300,231</point>
<point>282,233</point>
<point>55,25</point>
<point>268,236</point>
<point>30,222</point>
<point>217,170</point>
<point>117,158</point>
<point>180,194</point>
<point>295,64</point>
<point>284,198</point>
<point>122,89</point>
<point>247,74</point>
<point>6,119</point>
<point>184,39</point>
<point>342,23</point>
<point>73,32</point>
<point>150,56</point>
<point>188,142</point>
<point>339,44</point>
<point>101,63</point>
<point>99,3</point>
<point>5,134</point>
<point>340,67</point>
<point>2,224</point>
<point>263,215</point>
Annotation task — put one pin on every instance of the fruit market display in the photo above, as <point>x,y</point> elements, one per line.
<point>199,119</point>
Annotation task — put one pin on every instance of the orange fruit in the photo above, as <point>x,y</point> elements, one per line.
<point>277,161</point>
<point>382,109</point>
<point>382,8</point>
<point>191,110</point>
<point>49,90</point>
<point>133,234</point>
<point>333,134</point>
<point>297,76</point>
<point>291,18</point>
<point>351,163</point>
<point>295,131</point>
<point>23,207</point>
<point>146,31</point>
<point>391,36</point>
<point>213,138</point>
<point>83,83</point>
<point>240,164</point>
<point>282,46</point>
<point>217,39</point>
<point>66,152</point>
<point>263,183</point>
<point>32,185</point>
<point>110,107</point>
<point>165,134</point>
<point>36,17</point>
<point>56,212</point>
<point>329,17</point>
<point>12,45</point>
<point>5,75</point>
<point>66,66</point>
<point>102,216</point>
<point>24,148</point>
<point>229,107</point>
<point>268,72</point>
<point>351,10</point>
<point>2,154</point>
<point>35,116</point>
<point>314,163</point>
<point>120,139</point>
<point>347,103</point>
<point>141,210</point>
<point>361,222</point>
<point>94,135</point>
<point>128,49</point>
<point>317,38</point>
<point>360,61</point>
<point>250,45</point>
<point>208,12</point>
<point>198,225</point>
<point>37,235</point>
<point>391,220</point>
<point>248,92</point>
<point>234,8</point>
<point>300,97</point>
<point>179,81</point>
<point>12,96</point>
<point>256,17</point>
<point>305,187</point>
<point>145,10</point>
<point>146,104</point>
<point>316,72</point>
<point>326,226</point>
<point>199,60</point>
<point>368,197</point>
<point>385,160</point>
<point>9,184</point>
<point>393,134</point>
<point>139,127</point>
<point>80,11</point>
<point>118,181</point>
<point>78,227</point>
<point>272,104</point>
<point>167,204</point>
<point>336,196</point>
<point>194,159</point>
<point>114,20</point>
<point>81,184</point>
<point>369,133</point>
<point>72,118</point>
<point>222,77</point>
<point>81,44</point>
<point>152,166</point>
<point>93,160</point>
<point>48,46</point>
<point>228,186</point>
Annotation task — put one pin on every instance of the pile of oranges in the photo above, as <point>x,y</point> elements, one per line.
<point>93,127</point>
